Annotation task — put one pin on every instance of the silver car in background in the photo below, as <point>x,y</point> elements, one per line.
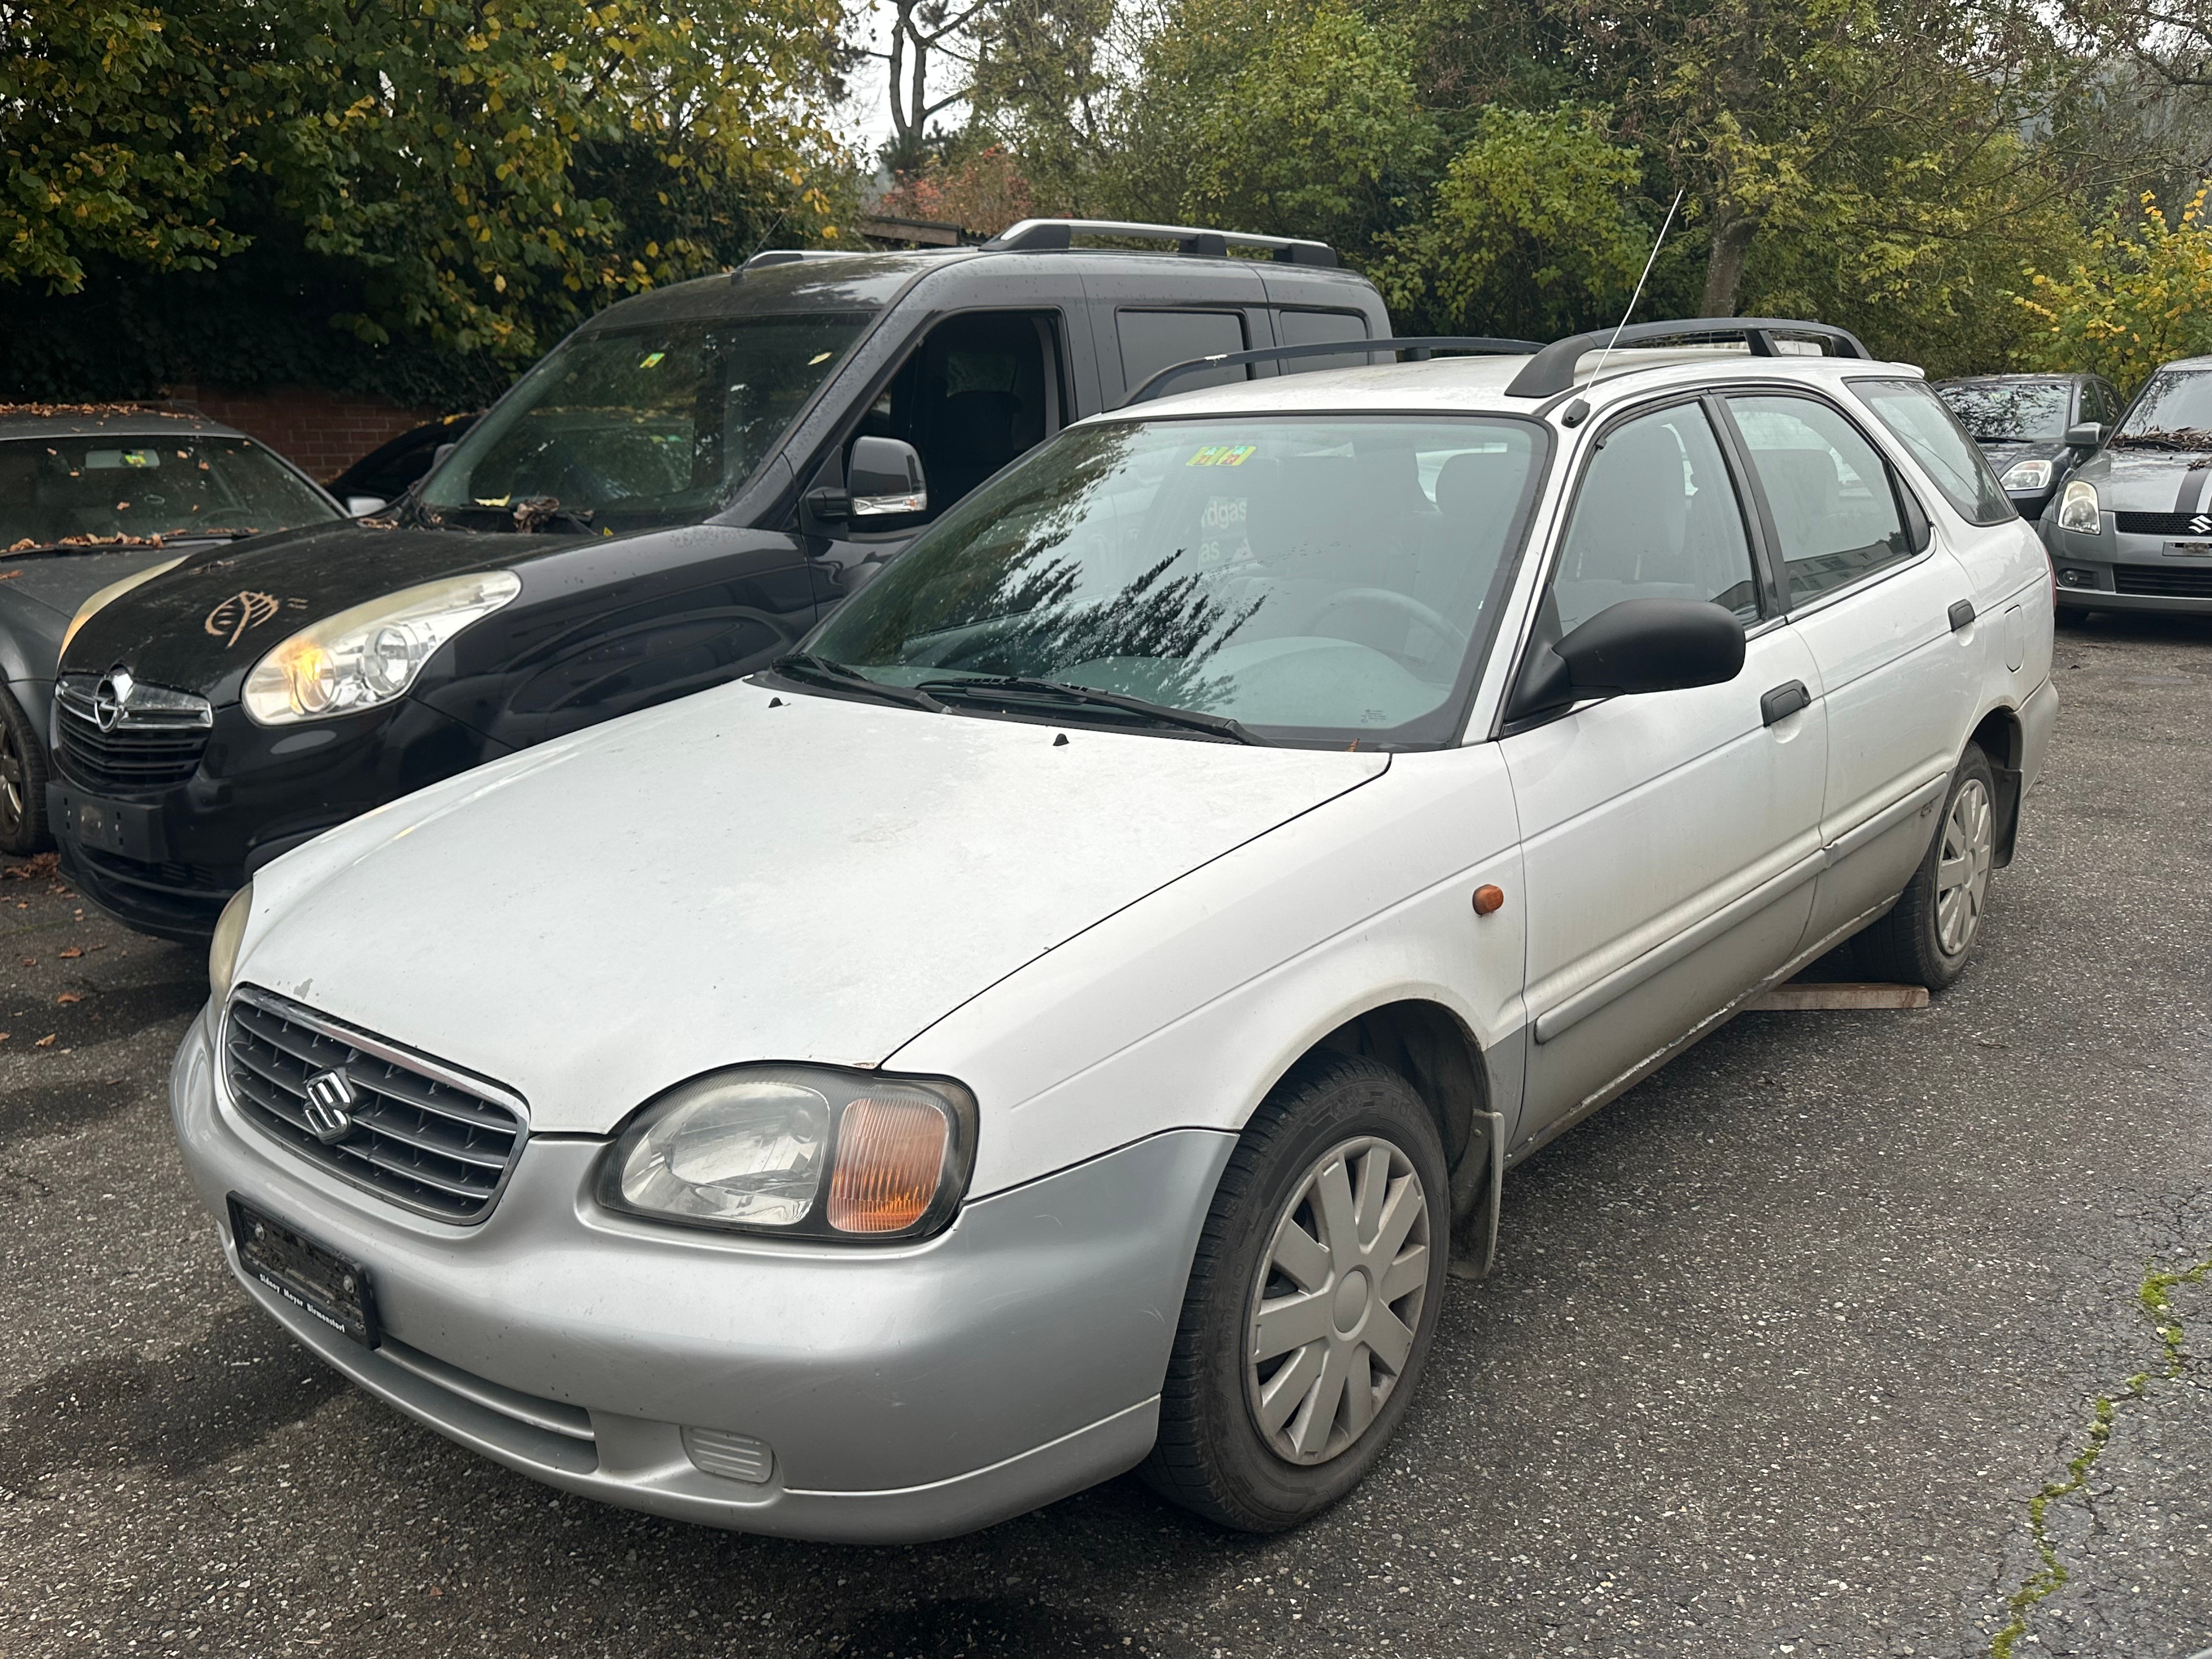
<point>2132,530</point>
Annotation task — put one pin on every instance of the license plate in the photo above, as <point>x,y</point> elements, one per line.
<point>314,1277</point>
<point>99,825</point>
<point>2188,549</point>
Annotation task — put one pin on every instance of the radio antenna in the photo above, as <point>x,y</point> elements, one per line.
<point>1640,282</point>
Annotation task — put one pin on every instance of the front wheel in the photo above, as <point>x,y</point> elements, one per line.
<point>1313,1298</point>
<point>22,783</point>
<point>1928,937</point>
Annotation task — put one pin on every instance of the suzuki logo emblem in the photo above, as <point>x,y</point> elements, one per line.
<point>331,1097</point>
<point>111,697</point>
<point>2201,523</point>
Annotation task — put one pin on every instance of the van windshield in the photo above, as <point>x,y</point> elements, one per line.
<point>639,429</point>
<point>1327,580</point>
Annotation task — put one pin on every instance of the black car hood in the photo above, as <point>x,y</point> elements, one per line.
<point>2148,480</point>
<point>61,581</point>
<point>200,627</point>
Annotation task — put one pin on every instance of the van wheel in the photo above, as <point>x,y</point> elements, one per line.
<point>22,783</point>
<point>1927,937</point>
<point>1313,1298</point>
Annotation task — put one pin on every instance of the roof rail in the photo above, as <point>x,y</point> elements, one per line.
<point>1417,350</point>
<point>1039,236</point>
<point>786,256</point>
<point>1552,371</point>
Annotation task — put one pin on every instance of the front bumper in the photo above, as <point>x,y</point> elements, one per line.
<point>901,1392</point>
<point>182,850</point>
<point>2110,571</point>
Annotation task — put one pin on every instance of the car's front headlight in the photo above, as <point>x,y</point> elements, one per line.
<point>223,949</point>
<point>800,1150</point>
<point>2077,508</point>
<point>109,594</point>
<point>2027,474</point>
<point>371,653</point>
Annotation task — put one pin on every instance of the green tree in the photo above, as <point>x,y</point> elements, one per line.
<point>1532,233</point>
<point>2140,296</point>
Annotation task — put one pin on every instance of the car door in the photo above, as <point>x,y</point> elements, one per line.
<point>1887,615</point>
<point>1671,839</point>
<point>976,391</point>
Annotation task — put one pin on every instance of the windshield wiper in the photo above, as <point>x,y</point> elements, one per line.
<point>2188,438</point>
<point>997,688</point>
<point>805,665</point>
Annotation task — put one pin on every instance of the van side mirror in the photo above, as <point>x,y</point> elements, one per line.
<point>1632,648</point>
<point>360,506</point>
<point>883,476</point>
<point>2089,435</point>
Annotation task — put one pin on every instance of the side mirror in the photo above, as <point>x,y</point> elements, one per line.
<point>360,506</point>
<point>1634,647</point>
<point>884,477</point>
<point>2087,435</point>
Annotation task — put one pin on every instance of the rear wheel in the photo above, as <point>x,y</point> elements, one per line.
<point>22,782</point>
<point>1312,1301</point>
<point>1930,934</point>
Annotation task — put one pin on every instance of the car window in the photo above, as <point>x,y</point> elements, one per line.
<point>1828,491</point>
<point>976,391</point>
<point>2008,411</point>
<point>1151,340</point>
<point>74,490</point>
<point>1319,328</point>
<point>644,426</point>
<point>2173,412</point>
<point>1926,424</point>
<point>1656,517</point>
<point>1318,579</point>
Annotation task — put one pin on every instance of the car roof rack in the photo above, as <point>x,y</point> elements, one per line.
<point>1551,370</point>
<point>1417,350</point>
<point>1045,236</point>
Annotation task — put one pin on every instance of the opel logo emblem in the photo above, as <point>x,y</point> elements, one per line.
<point>332,1098</point>
<point>111,697</point>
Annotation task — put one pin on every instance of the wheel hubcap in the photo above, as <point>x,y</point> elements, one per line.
<point>1339,1299</point>
<point>11,779</point>
<point>1962,869</point>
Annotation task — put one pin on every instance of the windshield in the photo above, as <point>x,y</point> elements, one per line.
<point>2173,411</point>
<point>1325,580</point>
<point>647,427</point>
<point>85,491</point>
<point>2010,411</point>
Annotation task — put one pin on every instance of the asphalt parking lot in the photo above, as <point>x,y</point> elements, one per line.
<point>1785,1346</point>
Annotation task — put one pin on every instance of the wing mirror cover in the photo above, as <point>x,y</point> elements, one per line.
<point>360,506</point>
<point>1632,648</point>
<point>885,477</point>
<point>2087,435</point>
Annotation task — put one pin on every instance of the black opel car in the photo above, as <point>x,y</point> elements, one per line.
<point>668,501</point>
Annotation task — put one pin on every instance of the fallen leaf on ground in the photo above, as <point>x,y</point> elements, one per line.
<point>71,996</point>
<point>47,1041</point>
<point>70,953</point>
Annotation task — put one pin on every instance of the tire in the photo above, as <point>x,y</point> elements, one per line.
<point>22,783</point>
<point>1929,936</point>
<point>1334,1118</point>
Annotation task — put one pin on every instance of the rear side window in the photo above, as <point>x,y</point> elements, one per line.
<point>1828,490</point>
<point>1151,340</point>
<point>1952,461</point>
<point>1657,518</point>
<point>1321,328</point>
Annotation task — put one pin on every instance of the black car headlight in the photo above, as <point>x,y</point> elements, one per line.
<point>798,1151</point>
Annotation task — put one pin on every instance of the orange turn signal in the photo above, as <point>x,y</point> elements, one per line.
<point>1488,898</point>
<point>890,1156</point>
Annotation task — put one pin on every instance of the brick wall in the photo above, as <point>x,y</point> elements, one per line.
<point>321,433</point>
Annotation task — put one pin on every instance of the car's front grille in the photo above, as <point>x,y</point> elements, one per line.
<point>2163,524</point>
<point>193,879</point>
<point>2176,581</point>
<point>419,1134</point>
<point>154,738</point>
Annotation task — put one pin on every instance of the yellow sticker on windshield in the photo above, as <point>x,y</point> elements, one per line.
<point>652,359</point>
<point>1223,455</point>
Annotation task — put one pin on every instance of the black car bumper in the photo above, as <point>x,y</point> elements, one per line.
<point>165,861</point>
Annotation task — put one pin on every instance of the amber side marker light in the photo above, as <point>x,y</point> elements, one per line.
<point>890,1156</point>
<point>1488,898</point>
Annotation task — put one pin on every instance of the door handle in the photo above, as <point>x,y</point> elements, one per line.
<point>1961,614</point>
<point>1783,700</point>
